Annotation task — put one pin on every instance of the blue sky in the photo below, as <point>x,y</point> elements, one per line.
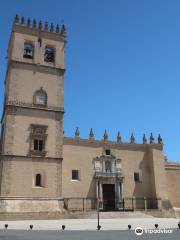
<point>122,65</point>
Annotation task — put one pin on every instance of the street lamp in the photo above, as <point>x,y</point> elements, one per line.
<point>98,201</point>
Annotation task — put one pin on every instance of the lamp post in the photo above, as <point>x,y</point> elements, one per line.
<point>98,200</point>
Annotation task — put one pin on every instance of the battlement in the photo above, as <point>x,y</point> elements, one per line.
<point>36,27</point>
<point>105,140</point>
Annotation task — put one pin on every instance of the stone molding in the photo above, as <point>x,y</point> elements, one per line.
<point>30,198</point>
<point>172,166</point>
<point>22,157</point>
<point>16,103</point>
<point>37,67</point>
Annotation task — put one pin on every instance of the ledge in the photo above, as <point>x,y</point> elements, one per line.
<point>38,67</point>
<point>32,106</point>
<point>30,198</point>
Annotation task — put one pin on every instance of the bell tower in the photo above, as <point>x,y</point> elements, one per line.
<point>32,121</point>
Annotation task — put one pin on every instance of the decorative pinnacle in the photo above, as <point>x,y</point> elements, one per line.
<point>28,22</point>
<point>34,23</point>
<point>160,141</point>
<point>144,139</point>
<point>91,134</point>
<point>46,26</point>
<point>151,139</point>
<point>119,138</point>
<point>105,136</point>
<point>132,139</point>
<point>22,20</point>
<point>57,28</point>
<point>51,27</point>
<point>77,133</point>
<point>63,30</point>
<point>40,25</point>
<point>16,19</point>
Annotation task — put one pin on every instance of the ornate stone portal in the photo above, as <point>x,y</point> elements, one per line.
<point>109,181</point>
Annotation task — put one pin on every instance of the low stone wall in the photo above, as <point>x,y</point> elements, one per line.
<point>30,205</point>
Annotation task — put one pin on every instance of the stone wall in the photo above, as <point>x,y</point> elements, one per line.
<point>173,183</point>
<point>80,155</point>
<point>18,177</point>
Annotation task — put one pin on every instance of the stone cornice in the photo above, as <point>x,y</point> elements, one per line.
<point>37,67</point>
<point>38,33</point>
<point>172,166</point>
<point>22,104</point>
<point>111,144</point>
<point>29,198</point>
<point>34,157</point>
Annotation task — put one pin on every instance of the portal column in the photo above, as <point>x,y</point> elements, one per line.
<point>97,189</point>
<point>119,194</point>
<point>100,195</point>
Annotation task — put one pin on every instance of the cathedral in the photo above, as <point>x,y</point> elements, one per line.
<point>44,172</point>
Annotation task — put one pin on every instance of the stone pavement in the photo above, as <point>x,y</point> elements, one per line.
<point>91,224</point>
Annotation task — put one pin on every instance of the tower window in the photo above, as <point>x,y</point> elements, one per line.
<point>40,97</point>
<point>136,177</point>
<point>38,180</point>
<point>38,145</point>
<point>75,175</point>
<point>38,138</point>
<point>49,54</point>
<point>108,152</point>
<point>28,50</point>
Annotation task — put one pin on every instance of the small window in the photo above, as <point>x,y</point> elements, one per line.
<point>108,152</point>
<point>49,54</point>
<point>38,180</point>
<point>136,177</point>
<point>28,50</point>
<point>38,145</point>
<point>40,97</point>
<point>75,175</point>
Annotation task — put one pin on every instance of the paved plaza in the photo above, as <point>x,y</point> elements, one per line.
<point>91,224</point>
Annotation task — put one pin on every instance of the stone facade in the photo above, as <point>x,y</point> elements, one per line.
<point>32,121</point>
<point>43,171</point>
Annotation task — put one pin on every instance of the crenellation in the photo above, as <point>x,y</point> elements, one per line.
<point>119,138</point>
<point>33,25</point>
<point>51,27</point>
<point>160,141</point>
<point>151,139</point>
<point>46,26</point>
<point>132,139</point>
<point>22,20</point>
<point>28,22</point>
<point>105,136</point>
<point>57,28</point>
<point>77,133</point>
<point>144,139</point>
<point>40,25</point>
